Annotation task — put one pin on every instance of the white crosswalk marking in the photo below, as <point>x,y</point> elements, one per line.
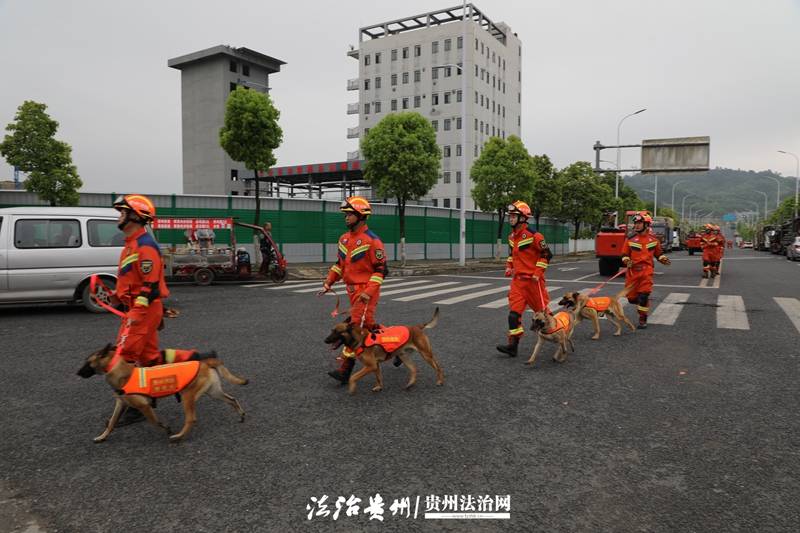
<point>497,304</point>
<point>319,285</point>
<point>472,295</point>
<point>439,292</point>
<point>284,287</point>
<point>668,310</point>
<point>790,306</point>
<point>419,288</point>
<point>731,313</point>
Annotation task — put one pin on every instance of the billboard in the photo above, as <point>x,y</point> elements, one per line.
<point>679,154</point>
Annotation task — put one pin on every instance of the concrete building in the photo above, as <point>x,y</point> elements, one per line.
<point>396,73</point>
<point>207,77</point>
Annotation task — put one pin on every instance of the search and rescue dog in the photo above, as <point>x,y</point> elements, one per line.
<point>372,353</point>
<point>136,387</point>
<point>593,308</point>
<point>557,329</point>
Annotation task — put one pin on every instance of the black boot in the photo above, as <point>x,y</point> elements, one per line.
<point>343,372</point>
<point>510,349</point>
<point>642,322</point>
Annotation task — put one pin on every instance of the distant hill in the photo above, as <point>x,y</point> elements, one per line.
<point>720,190</point>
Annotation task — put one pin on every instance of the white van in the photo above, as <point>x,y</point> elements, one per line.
<point>48,254</point>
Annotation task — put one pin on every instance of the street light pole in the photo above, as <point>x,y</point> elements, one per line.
<point>683,204</point>
<point>777,196</point>
<point>462,213</point>
<point>796,178</point>
<point>765,202</point>
<point>672,203</point>
<point>619,157</point>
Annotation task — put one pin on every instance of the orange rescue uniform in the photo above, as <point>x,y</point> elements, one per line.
<point>528,257</point>
<point>361,265</point>
<point>140,287</point>
<point>641,249</point>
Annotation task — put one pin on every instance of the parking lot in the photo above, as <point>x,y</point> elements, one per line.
<point>690,425</point>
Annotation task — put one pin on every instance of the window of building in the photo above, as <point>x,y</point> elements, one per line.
<point>366,108</point>
<point>519,121</point>
<point>458,152</point>
<point>481,48</point>
<point>47,233</point>
<point>476,43</point>
<point>494,80</point>
<point>435,73</point>
<point>435,99</point>
<point>504,64</point>
<point>458,203</point>
<point>447,97</point>
<point>235,193</point>
<point>493,106</point>
<point>366,131</point>
<point>435,124</point>
<point>493,57</point>
<point>405,103</point>
<point>476,124</point>
<point>448,44</point>
<point>435,202</point>
<point>448,71</point>
<point>232,87</point>
<point>476,71</point>
<point>460,43</point>
<point>493,134</point>
<point>394,105</point>
<point>458,95</point>
<point>394,80</point>
<point>476,97</point>
<point>481,100</point>
<point>378,82</point>
<point>417,50</point>
<point>233,66</point>
<point>435,47</point>
<point>446,201</point>
<point>459,70</point>
<point>234,174</point>
<point>476,150</point>
<point>519,75</point>
<point>405,52</point>
<point>417,76</point>
<point>405,78</point>
<point>481,128</point>
<point>447,124</point>
<point>458,177</point>
<point>458,123</point>
<point>394,54</point>
<point>446,179</point>
<point>246,70</point>
<point>377,57</point>
<point>519,98</point>
<point>366,84</point>
<point>482,73</point>
<point>446,149</point>
<point>417,101</point>
<point>504,87</point>
<point>504,111</point>
<point>377,107</point>
<point>366,60</point>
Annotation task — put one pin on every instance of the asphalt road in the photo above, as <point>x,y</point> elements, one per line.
<point>691,425</point>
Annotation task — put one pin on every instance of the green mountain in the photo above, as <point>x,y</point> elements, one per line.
<point>718,191</point>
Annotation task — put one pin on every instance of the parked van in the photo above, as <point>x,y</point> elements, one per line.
<point>48,254</point>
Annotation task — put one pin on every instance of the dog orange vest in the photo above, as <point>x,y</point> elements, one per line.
<point>161,380</point>
<point>562,322</point>
<point>599,304</point>
<point>390,339</point>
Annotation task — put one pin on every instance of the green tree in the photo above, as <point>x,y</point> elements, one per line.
<point>783,213</point>
<point>503,173</point>
<point>31,146</point>
<point>402,161</point>
<point>583,195</point>
<point>628,198</point>
<point>251,133</point>
<point>545,196</point>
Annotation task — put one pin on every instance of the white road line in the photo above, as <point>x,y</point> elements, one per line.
<point>719,275</point>
<point>668,310</point>
<point>591,282</point>
<point>319,285</point>
<point>420,288</point>
<point>731,313</point>
<point>470,296</point>
<point>790,306</point>
<point>567,269</point>
<point>497,304</point>
<point>437,293</point>
<point>584,277</point>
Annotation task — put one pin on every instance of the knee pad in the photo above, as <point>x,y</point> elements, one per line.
<point>514,320</point>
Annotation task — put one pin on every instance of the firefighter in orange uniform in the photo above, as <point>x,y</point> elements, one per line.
<point>710,244</point>
<point>637,255</point>
<point>361,265</point>
<point>527,261</point>
<point>720,249</point>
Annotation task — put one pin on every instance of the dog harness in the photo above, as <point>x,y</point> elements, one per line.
<point>562,322</point>
<point>599,304</point>
<point>161,380</point>
<point>390,339</point>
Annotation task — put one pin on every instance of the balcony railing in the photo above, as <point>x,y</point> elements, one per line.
<point>352,109</point>
<point>353,53</point>
<point>352,133</point>
<point>352,84</point>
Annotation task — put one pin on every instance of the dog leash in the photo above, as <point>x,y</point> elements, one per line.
<point>335,311</point>
<point>596,289</point>
<point>94,283</point>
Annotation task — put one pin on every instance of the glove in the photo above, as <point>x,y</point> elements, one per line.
<point>664,260</point>
<point>509,272</point>
<point>626,261</point>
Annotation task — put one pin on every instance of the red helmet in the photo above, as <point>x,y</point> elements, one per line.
<point>356,204</point>
<point>642,216</point>
<point>141,206</point>
<point>519,208</point>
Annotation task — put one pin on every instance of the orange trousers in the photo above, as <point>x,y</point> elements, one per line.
<point>358,308</point>
<point>138,336</point>
<point>524,292</point>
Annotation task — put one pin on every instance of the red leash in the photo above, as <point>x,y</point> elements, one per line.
<point>335,311</point>
<point>596,289</point>
<point>94,282</point>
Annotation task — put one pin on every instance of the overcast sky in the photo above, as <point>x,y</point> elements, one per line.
<point>725,68</point>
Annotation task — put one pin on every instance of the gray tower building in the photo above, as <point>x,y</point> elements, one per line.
<point>207,77</point>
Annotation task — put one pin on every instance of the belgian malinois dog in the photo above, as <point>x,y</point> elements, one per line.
<point>118,374</point>
<point>589,308</point>
<point>557,329</point>
<point>355,337</point>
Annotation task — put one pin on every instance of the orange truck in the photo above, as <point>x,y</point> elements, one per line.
<point>608,246</point>
<point>693,243</point>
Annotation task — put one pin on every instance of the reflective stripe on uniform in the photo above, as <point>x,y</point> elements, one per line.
<point>142,300</point>
<point>335,268</point>
<point>525,242</point>
<point>517,331</point>
<point>142,377</point>
<point>360,249</point>
<point>128,260</point>
<point>635,245</point>
<point>169,355</point>
<point>541,264</point>
<point>377,278</point>
<point>652,244</point>
<point>643,309</point>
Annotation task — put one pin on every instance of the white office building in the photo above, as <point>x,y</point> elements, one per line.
<point>397,61</point>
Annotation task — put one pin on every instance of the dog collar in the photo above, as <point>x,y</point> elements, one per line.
<point>115,359</point>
